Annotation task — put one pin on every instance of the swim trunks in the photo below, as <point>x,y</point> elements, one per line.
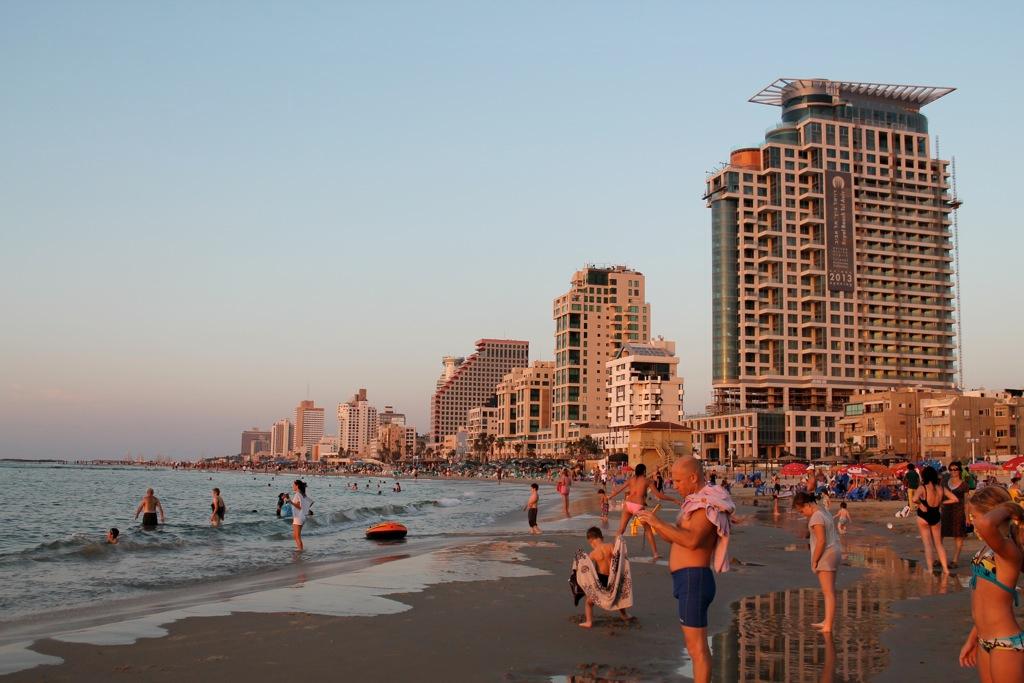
<point>633,507</point>
<point>694,588</point>
<point>531,516</point>
<point>148,519</point>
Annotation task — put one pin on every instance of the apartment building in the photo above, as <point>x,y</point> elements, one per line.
<point>524,409</point>
<point>832,255</point>
<point>251,436</point>
<point>281,437</point>
<point>357,424</point>
<point>309,426</point>
<point>469,384</point>
<point>603,309</point>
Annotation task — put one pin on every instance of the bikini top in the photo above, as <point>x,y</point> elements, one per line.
<point>983,566</point>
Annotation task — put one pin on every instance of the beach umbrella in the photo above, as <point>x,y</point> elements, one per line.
<point>793,469</point>
<point>1014,463</point>
<point>982,466</point>
<point>858,471</point>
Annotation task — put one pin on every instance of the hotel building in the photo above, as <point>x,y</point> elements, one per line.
<point>524,408</point>
<point>253,436</point>
<point>357,424</point>
<point>309,426</point>
<point>603,309</point>
<point>831,258</point>
<point>281,436</point>
<point>471,382</point>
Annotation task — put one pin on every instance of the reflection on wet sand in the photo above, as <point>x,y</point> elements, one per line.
<point>771,638</point>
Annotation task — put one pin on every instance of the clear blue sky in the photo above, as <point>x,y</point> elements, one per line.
<point>206,206</point>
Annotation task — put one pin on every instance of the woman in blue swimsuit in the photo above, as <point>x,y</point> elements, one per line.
<point>996,643</point>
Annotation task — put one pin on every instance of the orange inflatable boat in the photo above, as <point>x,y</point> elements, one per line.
<point>386,531</point>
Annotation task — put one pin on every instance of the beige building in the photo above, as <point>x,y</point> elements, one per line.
<point>603,309</point>
<point>644,385</point>
<point>309,426</point>
<point>325,448</point>
<point>524,409</point>
<point>254,436</point>
<point>929,423</point>
<point>657,444</point>
<point>832,253</point>
<point>281,437</point>
<point>394,441</point>
<point>357,424</point>
<point>470,383</point>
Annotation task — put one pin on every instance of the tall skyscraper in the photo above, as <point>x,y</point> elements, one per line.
<point>309,425</point>
<point>471,383</point>
<point>831,251</point>
<point>250,436</point>
<point>603,309</point>
<point>281,437</point>
<point>357,424</point>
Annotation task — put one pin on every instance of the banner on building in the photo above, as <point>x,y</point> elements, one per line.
<point>839,230</point>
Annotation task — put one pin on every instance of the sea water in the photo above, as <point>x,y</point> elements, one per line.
<point>53,555</point>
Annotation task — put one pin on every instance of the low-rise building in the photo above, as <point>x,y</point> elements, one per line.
<point>658,444</point>
<point>885,423</point>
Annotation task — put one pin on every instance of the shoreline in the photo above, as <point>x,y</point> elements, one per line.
<point>535,607</point>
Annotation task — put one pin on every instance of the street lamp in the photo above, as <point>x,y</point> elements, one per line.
<point>973,440</point>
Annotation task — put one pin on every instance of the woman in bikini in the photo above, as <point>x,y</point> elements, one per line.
<point>996,643</point>
<point>636,500</point>
<point>929,499</point>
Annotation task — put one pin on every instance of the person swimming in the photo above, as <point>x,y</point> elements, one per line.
<point>217,509</point>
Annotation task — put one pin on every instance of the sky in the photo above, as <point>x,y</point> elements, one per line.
<point>206,208</point>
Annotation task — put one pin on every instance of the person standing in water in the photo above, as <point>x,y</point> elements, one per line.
<point>148,507</point>
<point>928,499</point>
<point>564,482</point>
<point>531,508</point>
<point>826,552</point>
<point>217,509</point>
<point>996,643</point>
<point>300,511</point>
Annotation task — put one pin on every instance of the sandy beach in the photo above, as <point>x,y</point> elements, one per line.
<point>894,620</point>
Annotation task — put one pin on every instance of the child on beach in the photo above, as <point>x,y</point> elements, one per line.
<point>601,553</point>
<point>826,552</point>
<point>996,643</point>
<point>842,518</point>
<point>604,505</point>
<point>531,508</point>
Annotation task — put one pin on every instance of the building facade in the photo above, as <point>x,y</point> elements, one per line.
<point>395,441</point>
<point>603,309</point>
<point>250,436</point>
<point>524,409</point>
<point>832,253</point>
<point>644,385</point>
<point>281,437</point>
<point>357,424</point>
<point>471,383</point>
<point>309,426</point>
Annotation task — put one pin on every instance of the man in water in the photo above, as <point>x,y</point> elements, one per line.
<point>694,539</point>
<point>112,535</point>
<point>148,507</point>
<point>217,508</point>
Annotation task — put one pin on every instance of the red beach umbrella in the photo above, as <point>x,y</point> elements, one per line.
<point>982,466</point>
<point>1014,463</point>
<point>793,469</point>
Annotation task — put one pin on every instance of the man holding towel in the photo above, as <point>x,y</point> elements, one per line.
<point>699,542</point>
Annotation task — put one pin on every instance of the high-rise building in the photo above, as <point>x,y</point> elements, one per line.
<point>524,408</point>
<point>357,424</point>
<point>252,435</point>
<point>309,426</point>
<point>604,309</point>
<point>831,251</point>
<point>281,437</point>
<point>472,382</point>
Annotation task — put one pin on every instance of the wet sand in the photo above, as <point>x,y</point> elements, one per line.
<point>894,621</point>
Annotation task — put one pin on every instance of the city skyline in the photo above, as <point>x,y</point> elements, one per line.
<point>164,205</point>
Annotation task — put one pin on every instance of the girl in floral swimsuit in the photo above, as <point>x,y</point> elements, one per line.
<point>996,643</point>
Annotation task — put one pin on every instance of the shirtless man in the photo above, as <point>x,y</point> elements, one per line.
<point>636,500</point>
<point>148,507</point>
<point>602,557</point>
<point>693,542</point>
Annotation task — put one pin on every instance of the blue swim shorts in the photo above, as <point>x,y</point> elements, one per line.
<point>694,588</point>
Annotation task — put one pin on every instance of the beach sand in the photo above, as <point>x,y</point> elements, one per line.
<point>894,621</point>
